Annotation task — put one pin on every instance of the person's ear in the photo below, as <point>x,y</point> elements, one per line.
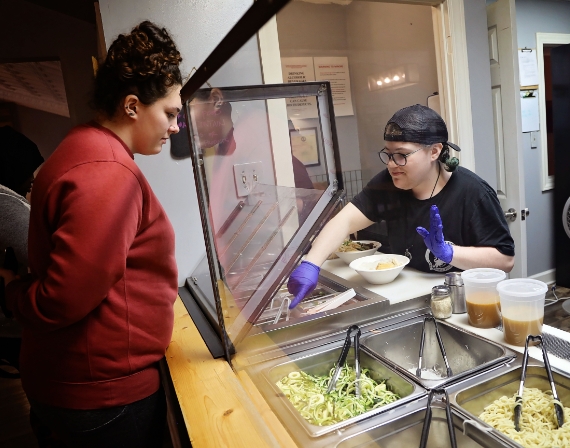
<point>131,103</point>
<point>436,149</point>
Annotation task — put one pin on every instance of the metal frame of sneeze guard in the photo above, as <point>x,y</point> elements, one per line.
<point>234,326</point>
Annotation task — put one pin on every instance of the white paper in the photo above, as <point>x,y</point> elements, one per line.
<point>335,70</point>
<point>529,113</point>
<point>299,70</point>
<point>528,68</point>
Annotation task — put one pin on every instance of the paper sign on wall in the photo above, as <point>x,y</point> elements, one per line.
<point>335,70</point>
<point>299,70</point>
<point>529,113</point>
<point>528,67</point>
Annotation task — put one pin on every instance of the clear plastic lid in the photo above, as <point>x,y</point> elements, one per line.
<point>482,276</point>
<point>522,287</point>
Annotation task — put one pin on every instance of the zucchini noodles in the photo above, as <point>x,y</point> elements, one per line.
<point>538,422</point>
<point>353,246</point>
<point>308,394</point>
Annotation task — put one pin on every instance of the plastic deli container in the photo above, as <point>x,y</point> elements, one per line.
<point>522,306</point>
<point>481,296</point>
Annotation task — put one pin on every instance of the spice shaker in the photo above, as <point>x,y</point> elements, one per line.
<point>455,283</point>
<point>441,302</point>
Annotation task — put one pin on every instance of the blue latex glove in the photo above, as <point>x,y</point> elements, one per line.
<point>434,238</point>
<point>303,281</point>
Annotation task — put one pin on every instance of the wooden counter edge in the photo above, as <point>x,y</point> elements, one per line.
<point>219,407</point>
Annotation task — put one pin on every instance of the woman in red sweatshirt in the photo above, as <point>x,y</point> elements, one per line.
<point>97,310</point>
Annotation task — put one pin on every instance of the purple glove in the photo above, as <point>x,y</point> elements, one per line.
<point>434,238</point>
<point>303,281</point>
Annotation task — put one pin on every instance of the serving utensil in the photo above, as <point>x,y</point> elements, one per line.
<point>342,359</point>
<point>448,416</point>
<point>558,409</point>
<point>441,348</point>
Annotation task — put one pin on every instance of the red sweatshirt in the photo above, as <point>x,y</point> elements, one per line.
<point>98,315</point>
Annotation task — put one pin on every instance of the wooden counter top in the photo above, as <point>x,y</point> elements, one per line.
<point>220,408</point>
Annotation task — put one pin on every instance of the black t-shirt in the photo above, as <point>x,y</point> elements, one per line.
<point>469,209</point>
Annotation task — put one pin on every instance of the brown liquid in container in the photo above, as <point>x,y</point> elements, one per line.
<point>483,309</point>
<point>516,331</point>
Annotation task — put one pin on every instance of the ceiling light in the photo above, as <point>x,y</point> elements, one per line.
<point>396,78</point>
<point>379,82</point>
<point>386,80</point>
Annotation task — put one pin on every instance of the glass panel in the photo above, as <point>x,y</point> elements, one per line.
<point>259,202</point>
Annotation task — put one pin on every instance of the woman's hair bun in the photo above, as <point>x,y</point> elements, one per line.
<point>144,62</point>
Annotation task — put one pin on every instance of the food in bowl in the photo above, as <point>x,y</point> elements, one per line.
<point>367,267</point>
<point>308,394</point>
<point>537,424</point>
<point>352,250</point>
<point>354,246</point>
<point>387,265</point>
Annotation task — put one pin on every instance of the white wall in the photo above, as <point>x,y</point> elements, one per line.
<point>542,16</point>
<point>197,27</point>
<point>383,36</point>
<point>309,30</point>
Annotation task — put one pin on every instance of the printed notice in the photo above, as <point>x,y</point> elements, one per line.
<point>335,70</point>
<point>528,67</point>
<point>299,70</point>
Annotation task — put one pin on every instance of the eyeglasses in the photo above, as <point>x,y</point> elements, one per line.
<point>399,159</point>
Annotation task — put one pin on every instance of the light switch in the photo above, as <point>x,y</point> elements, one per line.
<point>533,140</point>
<point>247,175</point>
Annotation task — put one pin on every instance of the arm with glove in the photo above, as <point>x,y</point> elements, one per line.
<point>461,257</point>
<point>304,278</point>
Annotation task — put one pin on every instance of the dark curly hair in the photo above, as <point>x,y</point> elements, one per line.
<point>144,63</point>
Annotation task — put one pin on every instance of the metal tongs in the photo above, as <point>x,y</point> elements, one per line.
<point>558,409</point>
<point>427,419</point>
<point>441,348</point>
<point>342,359</point>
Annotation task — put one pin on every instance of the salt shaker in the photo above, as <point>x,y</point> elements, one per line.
<point>455,283</point>
<point>441,302</point>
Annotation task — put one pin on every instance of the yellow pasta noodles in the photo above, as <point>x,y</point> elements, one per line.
<point>538,422</point>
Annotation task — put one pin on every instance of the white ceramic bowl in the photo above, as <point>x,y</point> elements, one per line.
<point>366,267</point>
<point>349,257</point>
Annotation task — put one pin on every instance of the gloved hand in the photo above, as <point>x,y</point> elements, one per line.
<point>303,281</point>
<point>434,238</point>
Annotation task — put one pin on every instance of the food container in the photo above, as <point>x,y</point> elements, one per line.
<point>481,296</point>
<point>349,257</point>
<point>440,304</point>
<point>406,432</point>
<point>320,362</point>
<point>471,397</point>
<point>367,267</point>
<point>467,353</point>
<point>522,307</point>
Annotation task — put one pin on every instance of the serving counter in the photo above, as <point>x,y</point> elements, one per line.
<point>223,408</point>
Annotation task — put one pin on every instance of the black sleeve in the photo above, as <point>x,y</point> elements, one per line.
<point>488,226</point>
<point>372,200</point>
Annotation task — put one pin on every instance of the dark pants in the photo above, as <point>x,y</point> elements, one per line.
<point>137,425</point>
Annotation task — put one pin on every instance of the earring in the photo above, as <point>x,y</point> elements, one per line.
<point>131,114</point>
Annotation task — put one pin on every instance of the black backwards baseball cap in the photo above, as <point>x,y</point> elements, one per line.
<point>417,124</point>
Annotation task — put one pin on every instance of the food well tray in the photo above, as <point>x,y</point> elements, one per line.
<point>473,395</point>
<point>406,432</point>
<point>467,353</point>
<point>319,362</point>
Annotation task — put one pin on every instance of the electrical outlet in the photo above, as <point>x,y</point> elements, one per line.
<point>533,140</point>
<point>246,176</point>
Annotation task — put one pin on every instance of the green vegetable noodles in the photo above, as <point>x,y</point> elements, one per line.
<point>308,394</point>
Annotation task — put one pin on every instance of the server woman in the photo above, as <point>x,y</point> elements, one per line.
<point>422,188</point>
<point>97,309</point>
